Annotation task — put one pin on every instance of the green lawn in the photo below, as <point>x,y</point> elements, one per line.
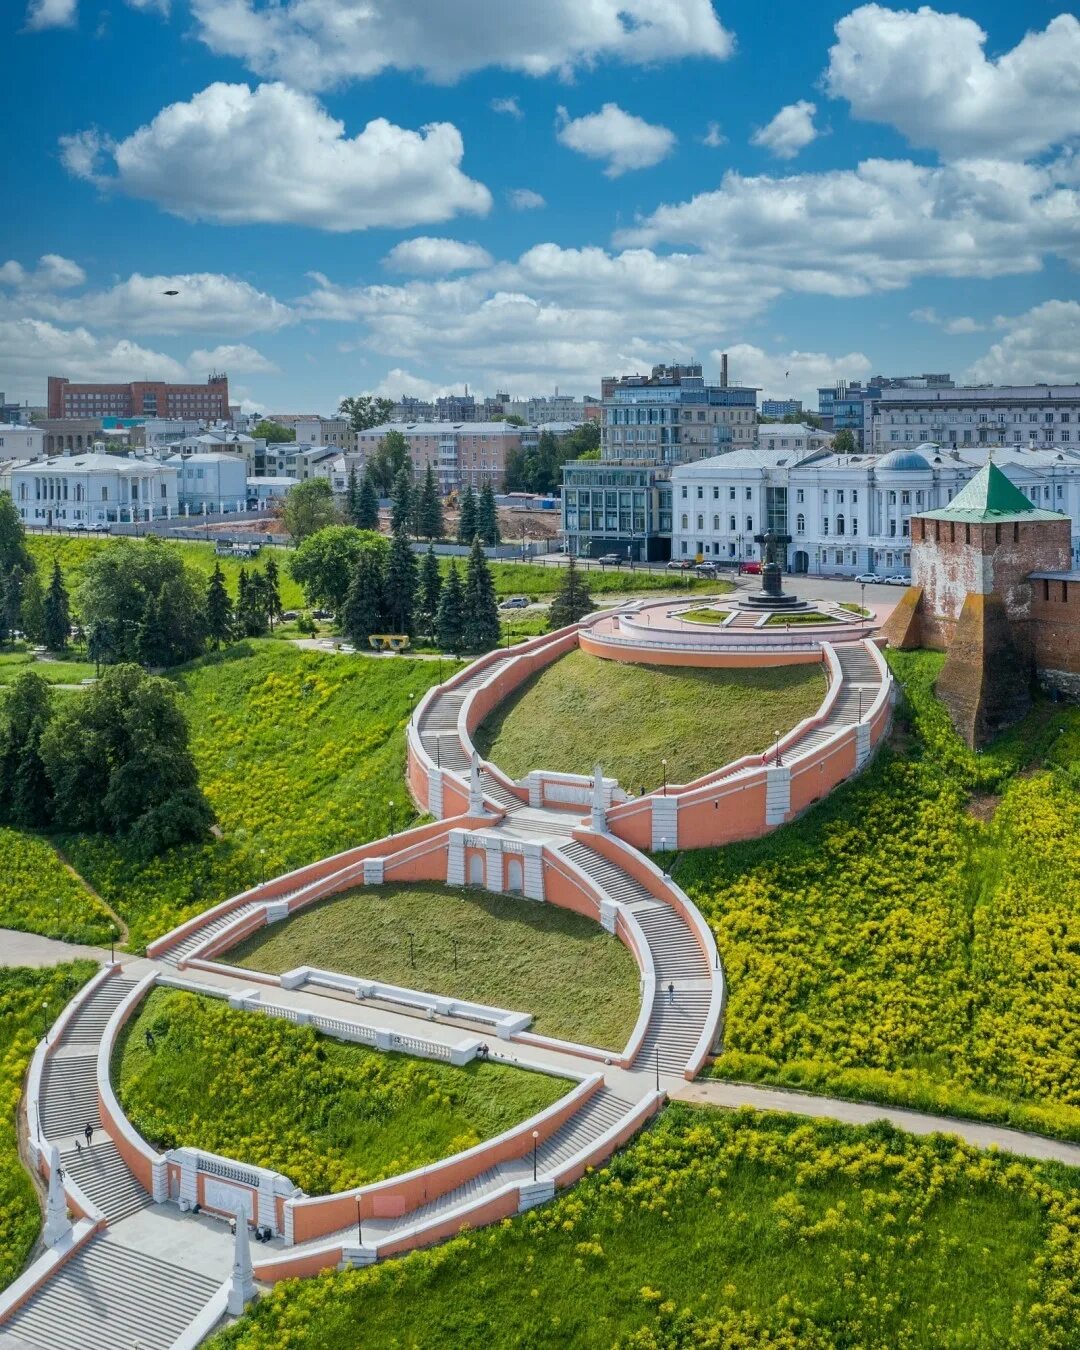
<point>731,1231</point>
<point>581,711</point>
<point>39,894</point>
<point>705,615</point>
<point>578,981</point>
<point>16,663</point>
<point>798,617</point>
<point>326,1113</point>
<point>30,1001</point>
<point>916,937</point>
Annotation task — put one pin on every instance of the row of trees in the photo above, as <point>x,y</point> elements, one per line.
<point>114,760</point>
<point>540,469</point>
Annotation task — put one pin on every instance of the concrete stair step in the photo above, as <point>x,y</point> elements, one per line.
<point>107,1180</point>
<point>69,1096</point>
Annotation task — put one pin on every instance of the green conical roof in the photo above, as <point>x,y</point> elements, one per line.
<point>990,498</point>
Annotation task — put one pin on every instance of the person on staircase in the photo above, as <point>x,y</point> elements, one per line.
<point>89,1132</point>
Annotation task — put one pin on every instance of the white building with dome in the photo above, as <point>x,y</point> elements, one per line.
<point>847,514</point>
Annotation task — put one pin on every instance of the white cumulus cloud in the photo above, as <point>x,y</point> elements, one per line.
<point>32,349</point>
<point>273,155</point>
<point>790,130</point>
<point>927,74</point>
<point>51,14</point>
<point>625,141</point>
<point>235,358</point>
<point>425,256</point>
<point>525,199</point>
<point>52,272</point>
<point>510,106</point>
<point>1043,344</point>
<point>792,374</point>
<point>320,43</point>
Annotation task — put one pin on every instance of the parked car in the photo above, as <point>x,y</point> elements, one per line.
<point>515,602</point>
<point>750,569</point>
<point>705,570</point>
<point>321,614</point>
<point>679,565</point>
<point>611,559</point>
<point>897,580</point>
<point>869,579</point>
<point>100,527</point>
<point>79,525</point>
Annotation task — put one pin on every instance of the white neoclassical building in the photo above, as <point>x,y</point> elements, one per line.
<point>847,514</point>
<point>90,489</point>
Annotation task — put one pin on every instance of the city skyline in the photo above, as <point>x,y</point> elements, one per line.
<point>550,199</point>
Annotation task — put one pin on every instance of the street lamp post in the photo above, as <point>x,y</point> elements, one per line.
<point>664,763</point>
<point>656,1051</point>
<point>390,808</point>
<point>58,911</point>
<point>862,598</point>
<point>536,1140</point>
<point>453,942</point>
<point>779,761</point>
<point>412,948</point>
<point>45,1010</point>
<point>359,1225</point>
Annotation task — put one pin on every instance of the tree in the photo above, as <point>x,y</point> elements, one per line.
<point>352,497</point>
<point>219,609</point>
<point>572,600</point>
<point>487,518</point>
<point>272,590</point>
<point>32,618</point>
<point>143,603</point>
<point>399,588</point>
<point>273,432</point>
<point>119,761</point>
<point>451,621</point>
<point>12,538</point>
<point>402,505</point>
<point>309,507</point>
<point>515,472</point>
<point>324,563</point>
<point>390,457</point>
<point>364,411</point>
<point>363,613</point>
<point>11,602</point>
<point>56,614</point>
<point>367,508</point>
<point>430,590</point>
<point>25,791</point>
<point>481,612</point>
<point>430,513</point>
<point>467,517</point>
<point>844,442</point>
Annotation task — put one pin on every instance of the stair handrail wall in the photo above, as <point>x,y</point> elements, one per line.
<point>141,1160</point>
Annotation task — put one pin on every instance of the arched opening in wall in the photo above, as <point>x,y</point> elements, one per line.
<point>515,877</point>
<point>476,870</point>
<point>801,561</point>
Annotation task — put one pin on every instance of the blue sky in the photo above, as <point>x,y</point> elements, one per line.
<point>884,190</point>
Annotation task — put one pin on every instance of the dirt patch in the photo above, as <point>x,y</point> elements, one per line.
<point>983,807</point>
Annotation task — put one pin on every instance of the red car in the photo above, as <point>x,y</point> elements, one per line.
<point>752,569</point>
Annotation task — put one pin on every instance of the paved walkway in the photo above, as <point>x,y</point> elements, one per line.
<point>733,1095</point>
<point>28,949</point>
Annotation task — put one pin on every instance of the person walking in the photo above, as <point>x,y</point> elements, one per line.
<point>671,993</point>
<point>89,1132</point>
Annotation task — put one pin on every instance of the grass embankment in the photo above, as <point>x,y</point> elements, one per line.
<point>327,1114</point>
<point>810,616</point>
<point>581,711</point>
<point>18,662</point>
<point>579,982</point>
<point>916,938</point>
<point>39,894</point>
<point>732,1230</point>
<point>30,1000</point>
<point>705,615</point>
<point>299,754</point>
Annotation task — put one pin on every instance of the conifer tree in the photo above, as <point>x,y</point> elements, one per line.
<point>467,520</point>
<point>481,610</point>
<point>399,588</point>
<point>430,590</point>
<point>272,590</point>
<point>401,509</point>
<point>430,513</point>
<point>33,608</point>
<point>219,609</point>
<point>56,615</point>
<point>487,518</point>
<point>572,601</point>
<point>367,510</point>
<point>451,621</point>
<point>352,498</point>
<point>363,611</point>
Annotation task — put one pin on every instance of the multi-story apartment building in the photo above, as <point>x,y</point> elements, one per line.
<point>209,484</point>
<point>781,407</point>
<point>207,402</point>
<point>89,489</point>
<point>850,405</point>
<point>460,453</point>
<point>313,429</point>
<point>456,408</point>
<point>1034,414</point>
<point>21,442</point>
<point>846,514</point>
<point>622,508</point>
<point>793,436</point>
<point>672,415</point>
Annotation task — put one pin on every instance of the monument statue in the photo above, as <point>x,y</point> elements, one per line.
<point>773,555</point>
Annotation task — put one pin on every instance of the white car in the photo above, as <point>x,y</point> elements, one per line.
<point>869,579</point>
<point>897,581</point>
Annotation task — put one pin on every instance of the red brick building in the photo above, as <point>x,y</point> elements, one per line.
<point>992,587</point>
<point>207,402</point>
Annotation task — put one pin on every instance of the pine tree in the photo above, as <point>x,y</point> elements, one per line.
<point>219,609</point>
<point>25,791</point>
<point>11,602</point>
<point>56,616</point>
<point>367,510</point>
<point>467,520</point>
<point>481,609</point>
<point>402,502</point>
<point>352,498</point>
<point>33,608</point>
<point>572,601</point>
<point>430,590</point>
<point>252,618</point>
<point>399,589</point>
<point>431,514</point>
<point>363,611</point>
<point>451,621</point>
<point>487,518</point>
<point>272,590</point>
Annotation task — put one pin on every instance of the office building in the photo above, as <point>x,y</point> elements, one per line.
<point>207,402</point>
<point>460,453</point>
<point>1034,414</point>
<point>781,407</point>
<point>88,489</point>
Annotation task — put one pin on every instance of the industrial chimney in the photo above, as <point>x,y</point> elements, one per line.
<point>723,370</point>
